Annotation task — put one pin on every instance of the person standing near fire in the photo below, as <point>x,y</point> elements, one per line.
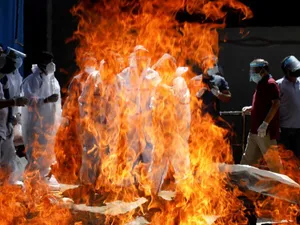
<point>69,153</point>
<point>8,159</point>
<point>138,83</point>
<point>41,117</point>
<point>290,104</point>
<point>171,123</point>
<point>264,132</point>
<point>208,90</point>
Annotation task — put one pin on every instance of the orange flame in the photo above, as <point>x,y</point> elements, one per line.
<point>111,28</point>
<point>104,136</point>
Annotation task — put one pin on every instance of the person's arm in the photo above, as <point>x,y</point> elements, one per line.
<point>273,110</point>
<point>224,96</point>
<point>30,87</point>
<point>6,103</point>
<point>273,94</point>
<point>222,92</point>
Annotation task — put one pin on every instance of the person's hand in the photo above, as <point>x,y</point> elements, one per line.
<point>201,92</point>
<point>20,101</point>
<point>51,98</point>
<point>246,110</point>
<point>262,130</point>
<point>215,91</point>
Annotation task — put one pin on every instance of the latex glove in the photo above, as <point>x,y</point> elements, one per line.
<point>246,110</point>
<point>201,92</point>
<point>215,91</point>
<point>262,130</point>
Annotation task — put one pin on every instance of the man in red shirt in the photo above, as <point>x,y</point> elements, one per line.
<point>264,118</point>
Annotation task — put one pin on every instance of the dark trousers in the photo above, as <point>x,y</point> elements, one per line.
<point>290,138</point>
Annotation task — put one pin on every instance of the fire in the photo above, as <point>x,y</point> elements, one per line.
<point>189,162</point>
<point>33,204</point>
<point>186,151</point>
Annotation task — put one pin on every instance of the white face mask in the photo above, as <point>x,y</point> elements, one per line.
<point>255,77</point>
<point>213,71</point>
<point>50,68</point>
<point>19,63</point>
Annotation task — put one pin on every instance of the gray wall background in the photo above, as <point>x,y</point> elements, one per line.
<point>235,59</point>
<point>277,43</point>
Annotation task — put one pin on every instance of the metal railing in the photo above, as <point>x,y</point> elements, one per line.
<point>243,115</point>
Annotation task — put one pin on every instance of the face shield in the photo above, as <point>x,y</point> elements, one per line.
<point>255,71</point>
<point>291,66</point>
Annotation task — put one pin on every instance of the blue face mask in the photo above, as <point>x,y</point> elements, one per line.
<point>255,77</point>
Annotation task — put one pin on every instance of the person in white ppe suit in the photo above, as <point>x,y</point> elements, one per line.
<point>15,81</point>
<point>40,119</point>
<point>100,103</point>
<point>7,151</point>
<point>171,118</point>
<point>138,83</point>
<point>87,108</point>
<point>69,140</point>
<point>12,84</point>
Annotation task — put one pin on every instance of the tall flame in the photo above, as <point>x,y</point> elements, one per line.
<point>184,161</point>
<point>109,31</point>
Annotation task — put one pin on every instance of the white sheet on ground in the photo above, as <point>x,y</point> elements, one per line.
<point>111,208</point>
<point>138,221</point>
<point>263,181</point>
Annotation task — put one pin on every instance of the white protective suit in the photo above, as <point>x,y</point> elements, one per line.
<point>14,88</point>
<point>171,106</point>
<point>87,107</point>
<point>40,120</point>
<point>15,81</point>
<point>101,104</point>
<point>7,151</point>
<point>138,90</point>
